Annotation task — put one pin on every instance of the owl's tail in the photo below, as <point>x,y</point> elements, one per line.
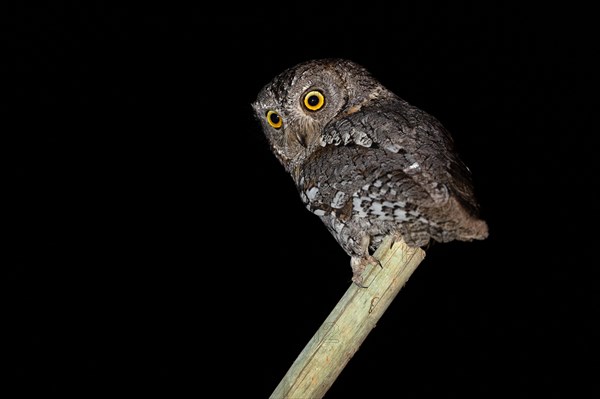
<point>475,229</point>
<point>455,221</point>
<point>466,224</point>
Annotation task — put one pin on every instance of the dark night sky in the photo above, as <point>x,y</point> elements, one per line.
<point>146,208</point>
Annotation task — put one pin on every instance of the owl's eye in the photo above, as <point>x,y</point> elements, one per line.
<point>274,119</point>
<point>314,100</point>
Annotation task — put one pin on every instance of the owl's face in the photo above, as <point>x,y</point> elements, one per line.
<point>297,105</point>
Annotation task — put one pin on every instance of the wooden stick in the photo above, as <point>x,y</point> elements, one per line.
<point>347,326</point>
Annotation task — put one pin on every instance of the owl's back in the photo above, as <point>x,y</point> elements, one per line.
<point>404,179</point>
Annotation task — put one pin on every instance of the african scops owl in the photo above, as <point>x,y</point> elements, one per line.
<point>365,161</point>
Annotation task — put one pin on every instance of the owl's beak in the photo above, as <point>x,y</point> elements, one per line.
<point>301,139</point>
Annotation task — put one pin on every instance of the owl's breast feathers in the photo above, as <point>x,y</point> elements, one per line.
<point>393,169</point>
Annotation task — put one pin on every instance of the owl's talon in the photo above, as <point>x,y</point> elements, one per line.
<point>359,281</point>
<point>396,236</point>
<point>359,264</point>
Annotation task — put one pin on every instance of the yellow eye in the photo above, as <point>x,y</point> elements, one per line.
<point>274,119</point>
<point>314,100</point>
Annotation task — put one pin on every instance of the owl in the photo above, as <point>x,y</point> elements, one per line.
<point>365,161</point>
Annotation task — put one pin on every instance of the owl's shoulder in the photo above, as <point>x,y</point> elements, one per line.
<point>392,124</point>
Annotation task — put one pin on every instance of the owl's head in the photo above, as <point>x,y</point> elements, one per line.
<point>296,106</point>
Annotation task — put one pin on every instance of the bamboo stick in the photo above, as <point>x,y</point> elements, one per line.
<point>347,326</point>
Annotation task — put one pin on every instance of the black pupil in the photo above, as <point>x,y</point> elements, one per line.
<point>274,118</point>
<point>313,100</point>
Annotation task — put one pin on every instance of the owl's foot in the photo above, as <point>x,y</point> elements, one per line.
<point>359,263</point>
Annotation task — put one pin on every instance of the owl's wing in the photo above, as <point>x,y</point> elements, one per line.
<point>422,147</point>
<point>345,181</point>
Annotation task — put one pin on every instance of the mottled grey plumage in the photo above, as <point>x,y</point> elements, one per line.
<point>365,161</point>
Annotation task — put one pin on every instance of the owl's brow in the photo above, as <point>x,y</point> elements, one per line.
<point>282,83</point>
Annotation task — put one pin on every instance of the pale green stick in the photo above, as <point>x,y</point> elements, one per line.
<point>347,326</point>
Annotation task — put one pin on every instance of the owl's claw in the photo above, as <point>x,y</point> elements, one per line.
<point>374,259</point>
<point>359,263</point>
<point>358,281</point>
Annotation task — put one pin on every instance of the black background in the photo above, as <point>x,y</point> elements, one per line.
<point>155,245</point>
